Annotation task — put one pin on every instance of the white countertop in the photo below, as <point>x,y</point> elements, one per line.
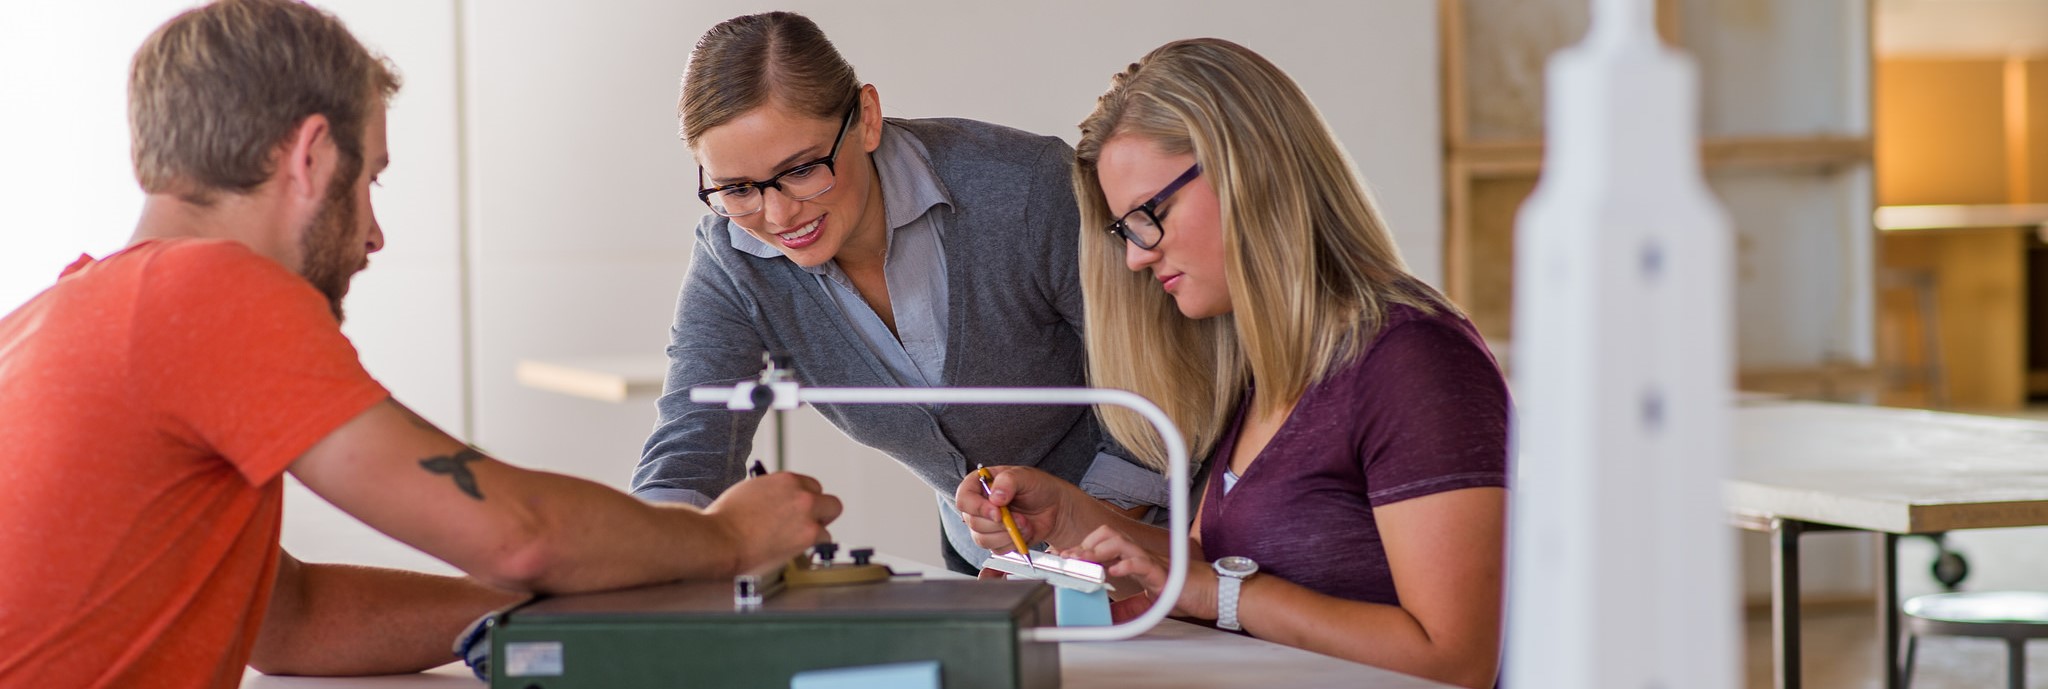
<point>603,378</point>
<point>1961,217</point>
<point>1887,469</point>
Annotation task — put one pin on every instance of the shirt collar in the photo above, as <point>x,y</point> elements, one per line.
<point>910,187</point>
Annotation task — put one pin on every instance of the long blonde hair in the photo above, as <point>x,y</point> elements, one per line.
<point>1311,267</point>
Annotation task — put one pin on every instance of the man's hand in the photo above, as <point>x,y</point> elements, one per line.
<point>774,517</point>
<point>1045,507</point>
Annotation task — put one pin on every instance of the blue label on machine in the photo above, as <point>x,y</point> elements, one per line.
<point>923,674</point>
<point>533,659</point>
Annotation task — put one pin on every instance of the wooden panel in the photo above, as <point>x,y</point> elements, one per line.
<point>1450,27</point>
<point>1504,48</point>
<point>1490,302</point>
<point>1828,382</point>
<point>1980,305</point>
<point>1785,151</point>
<point>1939,131</point>
<point>1499,51</point>
<point>1525,158</point>
<point>2037,130</point>
<point>1983,299</point>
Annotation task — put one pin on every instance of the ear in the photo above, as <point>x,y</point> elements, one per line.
<point>870,118</point>
<point>310,158</point>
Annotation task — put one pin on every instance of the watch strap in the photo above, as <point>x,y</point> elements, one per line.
<point>1226,602</point>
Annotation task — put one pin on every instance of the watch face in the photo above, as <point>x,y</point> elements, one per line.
<point>1237,565</point>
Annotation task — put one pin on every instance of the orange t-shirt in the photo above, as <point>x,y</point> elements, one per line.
<point>149,404</point>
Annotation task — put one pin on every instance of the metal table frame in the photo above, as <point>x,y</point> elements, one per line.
<point>1785,533</point>
<point>1811,466</point>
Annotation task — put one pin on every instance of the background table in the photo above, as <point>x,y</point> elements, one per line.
<point>1811,466</point>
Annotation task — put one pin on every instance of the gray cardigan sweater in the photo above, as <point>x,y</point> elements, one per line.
<point>1014,319</point>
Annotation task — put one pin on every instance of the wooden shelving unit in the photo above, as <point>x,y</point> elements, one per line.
<point>1966,178</point>
<point>1492,102</point>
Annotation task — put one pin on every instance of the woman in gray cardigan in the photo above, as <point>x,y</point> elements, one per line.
<point>876,252</point>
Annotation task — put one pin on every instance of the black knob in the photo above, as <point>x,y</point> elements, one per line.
<point>861,555</point>
<point>826,551</point>
<point>762,396</point>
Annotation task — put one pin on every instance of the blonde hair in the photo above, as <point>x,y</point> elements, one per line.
<point>214,91</point>
<point>1311,267</point>
<point>744,61</point>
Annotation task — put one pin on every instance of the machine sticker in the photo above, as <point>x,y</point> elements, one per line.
<point>533,659</point>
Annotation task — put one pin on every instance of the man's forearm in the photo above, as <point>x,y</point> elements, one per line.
<point>351,620</point>
<point>599,538</point>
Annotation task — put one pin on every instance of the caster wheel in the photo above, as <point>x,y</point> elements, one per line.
<point>1950,569</point>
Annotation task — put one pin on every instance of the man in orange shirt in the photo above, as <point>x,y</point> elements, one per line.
<point>151,400</point>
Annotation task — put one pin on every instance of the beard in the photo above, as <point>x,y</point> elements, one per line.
<point>329,263</point>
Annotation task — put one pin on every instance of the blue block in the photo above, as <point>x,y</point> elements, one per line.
<point>1077,609</point>
<point>923,674</point>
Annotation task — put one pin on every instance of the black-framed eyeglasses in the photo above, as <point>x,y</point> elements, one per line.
<point>801,183</point>
<point>1145,225</point>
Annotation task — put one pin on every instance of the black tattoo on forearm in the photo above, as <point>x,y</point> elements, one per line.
<point>457,466</point>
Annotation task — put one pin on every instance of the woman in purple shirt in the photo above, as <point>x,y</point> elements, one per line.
<point>1355,424</point>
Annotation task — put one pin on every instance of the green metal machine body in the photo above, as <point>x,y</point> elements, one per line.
<point>690,634</point>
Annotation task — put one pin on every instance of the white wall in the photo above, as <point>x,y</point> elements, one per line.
<point>66,187</point>
<point>405,314</point>
<point>535,165</point>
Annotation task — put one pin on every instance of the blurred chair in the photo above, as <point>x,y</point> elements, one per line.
<point>2014,616</point>
<point>1924,371</point>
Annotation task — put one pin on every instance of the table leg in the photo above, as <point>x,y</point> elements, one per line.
<point>2016,663</point>
<point>1888,610</point>
<point>1785,599</point>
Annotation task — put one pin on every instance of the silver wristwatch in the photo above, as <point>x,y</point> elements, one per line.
<point>1230,573</point>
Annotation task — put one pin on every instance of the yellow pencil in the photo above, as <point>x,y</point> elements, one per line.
<point>1009,522</point>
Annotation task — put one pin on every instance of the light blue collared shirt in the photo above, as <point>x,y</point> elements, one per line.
<point>913,261</point>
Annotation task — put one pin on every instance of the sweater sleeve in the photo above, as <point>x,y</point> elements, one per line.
<point>698,450</point>
<point>1051,205</point>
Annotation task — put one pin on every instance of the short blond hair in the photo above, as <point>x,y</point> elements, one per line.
<point>1311,266</point>
<point>214,91</point>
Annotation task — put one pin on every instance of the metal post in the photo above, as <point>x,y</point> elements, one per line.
<point>1785,599</point>
<point>2016,663</point>
<point>1888,610</point>
<point>781,441</point>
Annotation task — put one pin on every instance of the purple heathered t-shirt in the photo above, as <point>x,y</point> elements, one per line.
<point>1422,410</point>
